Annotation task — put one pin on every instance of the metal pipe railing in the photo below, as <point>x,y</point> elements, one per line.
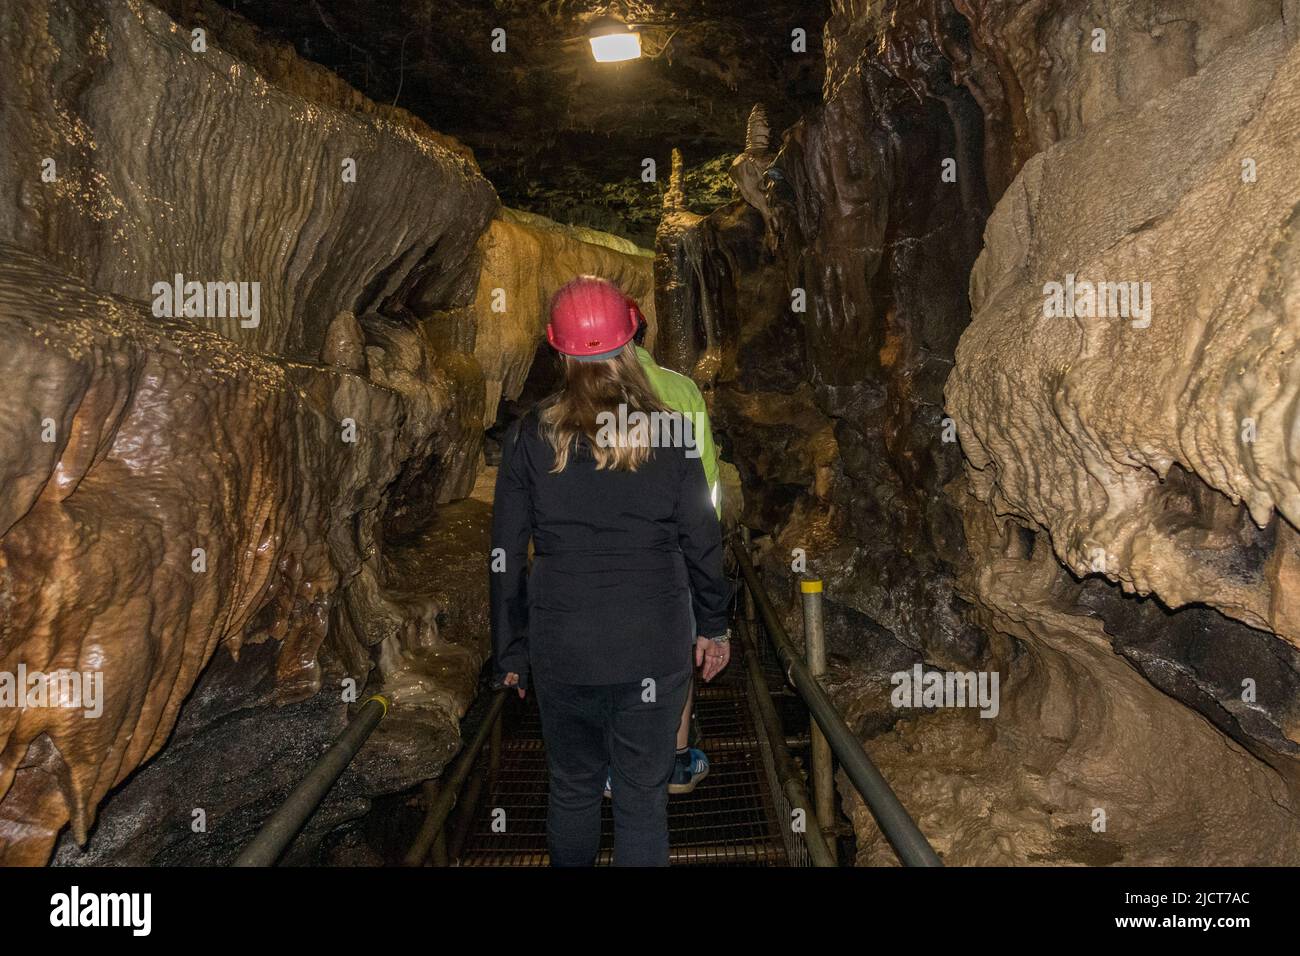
<point>814,655</point>
<point>277,832</point>
<point>895,822</point>
<point>444,800</point>
<point>465,811</point>
<point>787,773</point>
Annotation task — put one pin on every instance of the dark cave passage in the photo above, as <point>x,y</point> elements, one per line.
<point>991,307</point>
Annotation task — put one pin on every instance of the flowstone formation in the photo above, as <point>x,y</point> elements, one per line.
<point>1167,395</point>
<point>242,391</point>
<point>118,571</point>
<point>823,326</point>
<point>524,260</point>
<point>170,162</point>
<point>1080,478</point>
<point>1147,433</point>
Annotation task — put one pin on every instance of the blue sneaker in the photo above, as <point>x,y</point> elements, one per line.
<point>690,769</point>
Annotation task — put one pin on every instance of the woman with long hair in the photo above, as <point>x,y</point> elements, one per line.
<point>607,484</point>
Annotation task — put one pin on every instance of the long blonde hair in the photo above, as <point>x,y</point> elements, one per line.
<point>594,388</point>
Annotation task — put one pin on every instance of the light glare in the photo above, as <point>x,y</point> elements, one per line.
<point>613,47</point>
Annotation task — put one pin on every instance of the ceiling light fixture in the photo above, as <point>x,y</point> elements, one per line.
<point>613,41</point>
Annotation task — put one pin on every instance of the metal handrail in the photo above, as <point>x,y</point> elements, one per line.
<point>787,774</point>
<point>277,833</point>
<point>895,822</point>
<point>448,791</point>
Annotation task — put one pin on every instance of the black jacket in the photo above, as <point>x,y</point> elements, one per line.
<point>618,559</point>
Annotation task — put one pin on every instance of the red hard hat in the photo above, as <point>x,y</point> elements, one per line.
<point>591,319</point>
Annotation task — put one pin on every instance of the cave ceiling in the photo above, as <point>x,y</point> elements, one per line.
<point>553,130</point>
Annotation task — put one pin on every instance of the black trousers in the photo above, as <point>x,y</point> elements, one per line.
<point>629,730</point>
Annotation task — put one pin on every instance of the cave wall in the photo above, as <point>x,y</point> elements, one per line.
<point>823,322</point>
<point>948,526</point>
<point>823,329</point>
<point>174,161</point>
<point>525,259</point>
<point>1153,451</point>
<point>291,455</point>
<point>327,460</point>
<point>1139,413</point>
<point>1030,65</point>
<point>1086,763</point>
<point>101,521</point>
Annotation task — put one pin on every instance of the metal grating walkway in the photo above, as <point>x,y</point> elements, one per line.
<point>729,819</point>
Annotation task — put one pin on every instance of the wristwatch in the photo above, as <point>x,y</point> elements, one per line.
<point>725,638</point>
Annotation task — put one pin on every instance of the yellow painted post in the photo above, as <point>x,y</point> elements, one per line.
<point>814,637</point>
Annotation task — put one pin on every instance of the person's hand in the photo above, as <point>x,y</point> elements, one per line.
<point>512,680</point>
<point>714,656</point>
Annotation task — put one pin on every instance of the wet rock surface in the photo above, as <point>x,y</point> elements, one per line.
<point>174,162</point>
<point>236,752</point>
<point>1151,447</point>
<point>138,438</point>
<point>838,420</point>
<point>116,567</point>
<point>828,357</point>
<point>327,461</point>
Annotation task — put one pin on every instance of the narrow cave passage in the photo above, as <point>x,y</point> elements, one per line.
<point>982,317</point>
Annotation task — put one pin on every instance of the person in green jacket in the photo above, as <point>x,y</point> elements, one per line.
<point>682,395</point>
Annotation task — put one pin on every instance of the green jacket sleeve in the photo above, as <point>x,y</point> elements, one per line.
<point>708,454</point>
<point>681,394</point>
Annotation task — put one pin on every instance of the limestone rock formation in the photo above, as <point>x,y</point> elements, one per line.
<point>1040,70</point>
<point>345,346</point>
<point>1084,432</point>
<point>168,491</point>
<point>1147,433</point>
<point>1152,442</point>
<point>685,285</point>
<point>749,169</point>
<point>239,540</point>
<point>256,325</point>
<point>524,261</point>
<point>169,161</point>
<point>116,417</point>
<point>1101,428</point>
<point>828,357</point>
<point>1085,763</point>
